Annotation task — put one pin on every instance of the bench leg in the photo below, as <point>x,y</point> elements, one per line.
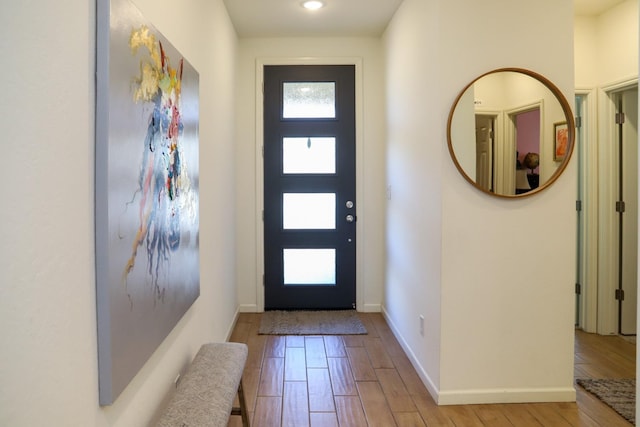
<point>242,410</point>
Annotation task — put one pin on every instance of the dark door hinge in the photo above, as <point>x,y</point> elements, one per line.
<point>619,118</point>
<point>579,205</point>
<point>578,289</point>
<point>579,121</point>
<point>619,294</point>
<point>620,206</point>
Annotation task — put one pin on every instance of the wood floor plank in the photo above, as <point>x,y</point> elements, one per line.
<point>342,379</point>
<point>348,391</point>
<point>547,415</point>
<point>295,404</point>
<point>334,346</point>
<point>250,382</point>
<point>295,366</point>
<point>602,414</point>
<point>350,412</point>
<point>254,321</point>
<point>385,333</point>
<point>394,390</point>
<point>268,412</point>
<point>519,415</point>
<point>409,375</point>
<point>492,415</point>
<point>320,392</point>
<point>256,344</point>
<point>354,340</point>
<point>375,405</point>
<point>461,415</point>
<point>377,353</point>
<point>408,419</point>
<point>367,322</point>
<point>240,332</point>
<point>234,421</point>
<point>570,412</point>
<point>391,345</point>
<point>324,419</point>
<point>315,353</point>
<point>360,364</point>
<point>275,346</point>
<point>272,377</point>
<point>295,341</point>
<point>430,411</point>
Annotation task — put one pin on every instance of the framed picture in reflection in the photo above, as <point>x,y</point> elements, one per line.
<point>560,141</point>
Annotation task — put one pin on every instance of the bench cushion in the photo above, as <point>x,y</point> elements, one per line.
<point>204,396</point>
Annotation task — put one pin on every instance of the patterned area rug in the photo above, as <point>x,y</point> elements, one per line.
<point>329,322</point>
<point>619,394</point>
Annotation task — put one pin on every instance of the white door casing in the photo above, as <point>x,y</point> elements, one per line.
<point>259,114</point>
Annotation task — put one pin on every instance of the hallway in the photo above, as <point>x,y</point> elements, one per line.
<point>367,380</point>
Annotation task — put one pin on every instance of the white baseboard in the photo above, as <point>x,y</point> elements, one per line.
<point>532,395</point>
<point>248,308</point>
<point>233,324</point>
<point>486,396</point>
<point>426,380</point>
<point>253,308</point>
<point>371,308</point>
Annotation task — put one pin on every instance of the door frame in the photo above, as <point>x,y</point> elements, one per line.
<point>587,149</point>
<point>508,186</point>
<point>259,143</point>
<point>498,137</point>
<point>607,322</point>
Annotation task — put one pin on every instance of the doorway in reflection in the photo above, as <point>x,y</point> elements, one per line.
<point>527,134</point>
<point>485,131</point>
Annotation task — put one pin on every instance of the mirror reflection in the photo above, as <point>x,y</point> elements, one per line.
<point>511,132</point>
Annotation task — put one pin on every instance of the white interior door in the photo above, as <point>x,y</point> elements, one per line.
<point>629,219</point>
<point>580,229</point>
<point>484,151</point>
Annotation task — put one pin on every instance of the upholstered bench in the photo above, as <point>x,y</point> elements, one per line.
<point>206,392</point>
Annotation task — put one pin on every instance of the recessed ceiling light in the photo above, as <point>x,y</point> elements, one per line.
<point>312,4</point>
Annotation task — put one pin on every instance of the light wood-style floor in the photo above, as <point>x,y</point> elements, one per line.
<point>367,380</point>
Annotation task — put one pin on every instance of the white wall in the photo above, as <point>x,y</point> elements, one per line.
<point>617,32</point>
<point>494,278</point>
<point>606,53</point>
<point>606,56</point>
<point>585,51</point>
<point>370,164</point>
<point>416,141</point>
<point>47,284</point>
<point>607,46</point>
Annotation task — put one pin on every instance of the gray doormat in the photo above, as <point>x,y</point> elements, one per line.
<point>325,322</point>
<point>619,394</point>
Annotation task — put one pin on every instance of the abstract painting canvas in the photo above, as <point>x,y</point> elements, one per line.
<point>147,220</point>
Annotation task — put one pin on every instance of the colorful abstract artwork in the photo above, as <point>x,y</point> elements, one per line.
<point>147,222</point>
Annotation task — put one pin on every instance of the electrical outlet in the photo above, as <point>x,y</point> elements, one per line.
<point>421,325</point>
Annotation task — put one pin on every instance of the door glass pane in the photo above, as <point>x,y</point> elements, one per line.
<point>312,211</point>
<point>309,155</point>
<point>309,100</point>
<point>309,266</point>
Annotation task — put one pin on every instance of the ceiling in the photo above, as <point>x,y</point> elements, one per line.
<point>593,7</point>
<point>339,18</point>
<point>287,18</point>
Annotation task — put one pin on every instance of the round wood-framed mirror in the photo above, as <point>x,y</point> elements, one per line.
<point>511,132</point>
